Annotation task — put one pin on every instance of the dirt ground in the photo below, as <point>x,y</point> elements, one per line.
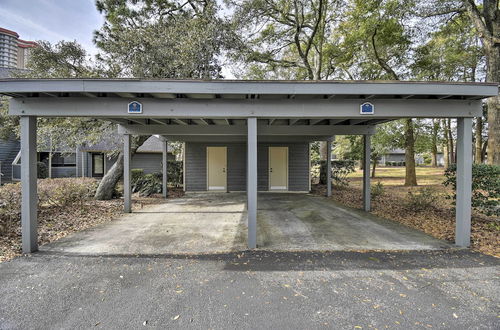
<point>437,220</point>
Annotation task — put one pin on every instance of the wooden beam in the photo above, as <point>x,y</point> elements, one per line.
<point>181,121</point>
<point>160,121</point>
<point>224,108</point>
<point>323,130</point>
<point>315,121</point>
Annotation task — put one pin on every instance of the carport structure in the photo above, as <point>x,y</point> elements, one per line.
<point>250,112</point>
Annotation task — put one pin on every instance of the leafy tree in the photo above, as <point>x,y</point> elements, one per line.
<point>162,38</point>
<point>485,18</point>
<point>287,39</point>
<point>453,53</point>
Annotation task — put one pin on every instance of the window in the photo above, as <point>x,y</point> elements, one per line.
<point>97,165</point>
<point>59,159</point>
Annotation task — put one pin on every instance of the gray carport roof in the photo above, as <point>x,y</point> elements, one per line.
<point>187,109</point>
<point>242,89</point>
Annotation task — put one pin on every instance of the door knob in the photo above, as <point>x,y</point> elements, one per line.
<point>271,169</point>
<point>223,170</point>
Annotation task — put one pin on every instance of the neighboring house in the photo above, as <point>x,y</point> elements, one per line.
<point>96,160</point>
<point>398,156</point>
<point>92,161</point>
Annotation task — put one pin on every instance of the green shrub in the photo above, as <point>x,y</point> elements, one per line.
<point>485,187</point>
<point>174,173</point>
<point>148,184</point>
<point>377,190</point>
<point>340,170</point>
<point>136,174</point>
<point>421,199</point>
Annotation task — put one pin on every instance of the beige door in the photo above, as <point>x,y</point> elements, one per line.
<point>278,168</point>
<point>216,168</point>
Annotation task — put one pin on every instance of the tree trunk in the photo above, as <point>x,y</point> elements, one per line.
<point>434,149</point>
<point>323,156</point>
<point>478,147</point>
<point>483,151</point>
<point>493,75</point>
<point>446,153</point>
<point>411,174</point>
<point>446,156</point>
<point>115,173</point>
<point>451,148</point>
<point>486,20</point>
<point>375,161</point>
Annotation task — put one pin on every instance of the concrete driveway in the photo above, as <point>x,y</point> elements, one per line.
<point>216,222</point>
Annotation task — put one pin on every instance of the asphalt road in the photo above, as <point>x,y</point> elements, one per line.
<point>450,289</point>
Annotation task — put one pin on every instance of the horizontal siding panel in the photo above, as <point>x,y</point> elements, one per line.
<point>63,172</point>
<point>149,162</point>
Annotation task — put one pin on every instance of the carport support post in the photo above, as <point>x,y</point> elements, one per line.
<point>464,182</point>
<point>252,182</point>
<point>328,168</point>
<point>366,172</point>
<point>165,167</point>
<point>29,199</point>
<point>127,189</point>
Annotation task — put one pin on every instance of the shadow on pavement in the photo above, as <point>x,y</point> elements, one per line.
<point>265,261</point>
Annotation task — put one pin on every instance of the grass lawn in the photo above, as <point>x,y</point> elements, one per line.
<point>435,216</point>
<point>395,176</point>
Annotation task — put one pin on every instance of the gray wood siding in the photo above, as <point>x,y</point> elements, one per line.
<point>8,151</point>
<point>196,166</point>
<point>149,162</point>
<point>63,172</point>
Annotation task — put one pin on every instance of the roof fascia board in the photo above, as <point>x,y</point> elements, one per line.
<point>248,87</point>
<point>220,108</point>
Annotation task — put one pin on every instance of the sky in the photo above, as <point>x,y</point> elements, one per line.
<point>52,20</point>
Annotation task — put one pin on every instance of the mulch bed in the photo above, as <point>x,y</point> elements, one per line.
<point>58,222</point>
<point>437,220</point>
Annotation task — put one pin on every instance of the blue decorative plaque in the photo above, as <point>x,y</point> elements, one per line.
<point>367,109</point>
<point>134,107</point>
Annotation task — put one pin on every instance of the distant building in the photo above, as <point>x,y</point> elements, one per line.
<point>14,52</point>
<point>396,157</point>
<point>24,52</point>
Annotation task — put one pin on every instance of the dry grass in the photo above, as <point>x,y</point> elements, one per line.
<point>437,220</point>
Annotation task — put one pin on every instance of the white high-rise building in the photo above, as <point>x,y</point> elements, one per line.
<point>14,52</point>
